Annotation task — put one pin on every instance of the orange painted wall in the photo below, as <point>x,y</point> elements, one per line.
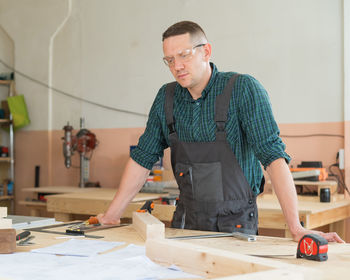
<point>316,148</point>
<point>45,149</point>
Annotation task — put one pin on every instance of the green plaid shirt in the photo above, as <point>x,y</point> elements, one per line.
<point>251,129</point>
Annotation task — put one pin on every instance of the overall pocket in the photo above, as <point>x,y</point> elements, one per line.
<point>207,182</point>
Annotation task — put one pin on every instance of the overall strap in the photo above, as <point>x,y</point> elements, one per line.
<point>221,107</point>
<point>169,106</point>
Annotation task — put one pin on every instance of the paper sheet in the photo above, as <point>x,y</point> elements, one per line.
<point>127,263</point>
<point>78,247</point>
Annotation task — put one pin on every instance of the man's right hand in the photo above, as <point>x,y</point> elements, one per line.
<point>105,220</point>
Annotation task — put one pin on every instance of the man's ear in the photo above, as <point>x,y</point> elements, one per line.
<point>207,51</point>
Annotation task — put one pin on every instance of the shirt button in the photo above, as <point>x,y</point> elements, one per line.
<point>251,214</point>
<point>250,201</point>
<point>197,103</point>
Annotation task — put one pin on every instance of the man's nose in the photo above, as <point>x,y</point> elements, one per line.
<point>178,64</point>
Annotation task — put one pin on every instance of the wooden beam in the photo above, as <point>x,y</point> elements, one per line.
<point>275,274</point>
<point>3,212</point>
<point>148,226</point>
<point>213,263</point>
<point>5,223</point>
<point>7,241</point>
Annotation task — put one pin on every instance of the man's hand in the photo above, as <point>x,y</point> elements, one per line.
<point>104,220</point>
<point>329,236</point>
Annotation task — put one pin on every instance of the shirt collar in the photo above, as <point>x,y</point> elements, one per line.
<point>214,72</point>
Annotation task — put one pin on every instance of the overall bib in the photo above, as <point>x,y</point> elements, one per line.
<point>214,193</point>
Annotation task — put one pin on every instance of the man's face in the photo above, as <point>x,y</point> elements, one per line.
<point>187,60</point>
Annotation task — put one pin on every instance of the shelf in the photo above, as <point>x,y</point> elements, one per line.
<point>33,203</point>
<point>5,82</point>
<point>6,197</point>
<point>5,159</point>
<point>5,121</point>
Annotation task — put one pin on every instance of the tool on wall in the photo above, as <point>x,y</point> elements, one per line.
<point>84,142</point>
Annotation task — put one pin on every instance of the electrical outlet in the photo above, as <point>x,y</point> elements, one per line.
<point>341,159</point>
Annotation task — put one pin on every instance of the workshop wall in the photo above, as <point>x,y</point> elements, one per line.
<point>109,53</point>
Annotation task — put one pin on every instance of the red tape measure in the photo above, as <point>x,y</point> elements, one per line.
<point>313,247</point>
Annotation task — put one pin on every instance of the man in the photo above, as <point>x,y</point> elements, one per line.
<point>219,127</point>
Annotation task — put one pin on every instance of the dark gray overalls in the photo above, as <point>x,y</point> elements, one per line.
<point>214,193</point>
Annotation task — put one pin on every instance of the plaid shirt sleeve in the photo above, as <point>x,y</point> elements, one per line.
<point>258,123</point>
<point>152,143</point>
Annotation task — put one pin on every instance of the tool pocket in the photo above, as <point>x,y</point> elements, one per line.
<point>243,219</point>
<point>200,181</point>
<point>207,182</point>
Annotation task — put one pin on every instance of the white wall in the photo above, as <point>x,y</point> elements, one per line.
<point>110,52</point>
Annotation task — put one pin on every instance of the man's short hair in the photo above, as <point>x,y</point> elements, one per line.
<point>184,27</point>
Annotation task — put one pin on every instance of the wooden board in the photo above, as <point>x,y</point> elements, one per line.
<point>3,212</point>
<point>5,82</point>
<point>57,189</point>
<point>212,263</point>
<point>90,203</point>
<point>337,266</point>
<point>148,226</point>
<point>5,223</point>
<point>7,241</point>
<point>312,214</point>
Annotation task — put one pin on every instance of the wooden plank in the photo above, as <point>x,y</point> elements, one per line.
<point>89,203</point>
<point>38,204</point>
<point>35,207</point>
<point>7,241</point>
<point>315,183</point>
<point>210,262</point>
<point>5,82</point>
<point>338,227</point>
<point>57,189</point>
<point>148,226</point>
<point>63,217</point>
<point>276,274</point>
<point>5,223</point>
<point>6,197</point>
<point>333,215</point>
<point>3,212</point>
<point>272,219</point>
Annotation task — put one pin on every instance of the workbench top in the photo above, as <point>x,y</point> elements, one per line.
<point>337,265</point>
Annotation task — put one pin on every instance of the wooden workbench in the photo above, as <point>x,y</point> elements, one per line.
<point>36,206</point>
<point>98,200</point>
<point>312,214</point>
<point>337,266</point>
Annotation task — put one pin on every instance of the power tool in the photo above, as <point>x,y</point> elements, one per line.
<point>313,247</point>
<point>147,207</point>
<point>84,142</point>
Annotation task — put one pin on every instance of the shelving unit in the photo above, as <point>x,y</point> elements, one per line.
<point>5,199</point>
